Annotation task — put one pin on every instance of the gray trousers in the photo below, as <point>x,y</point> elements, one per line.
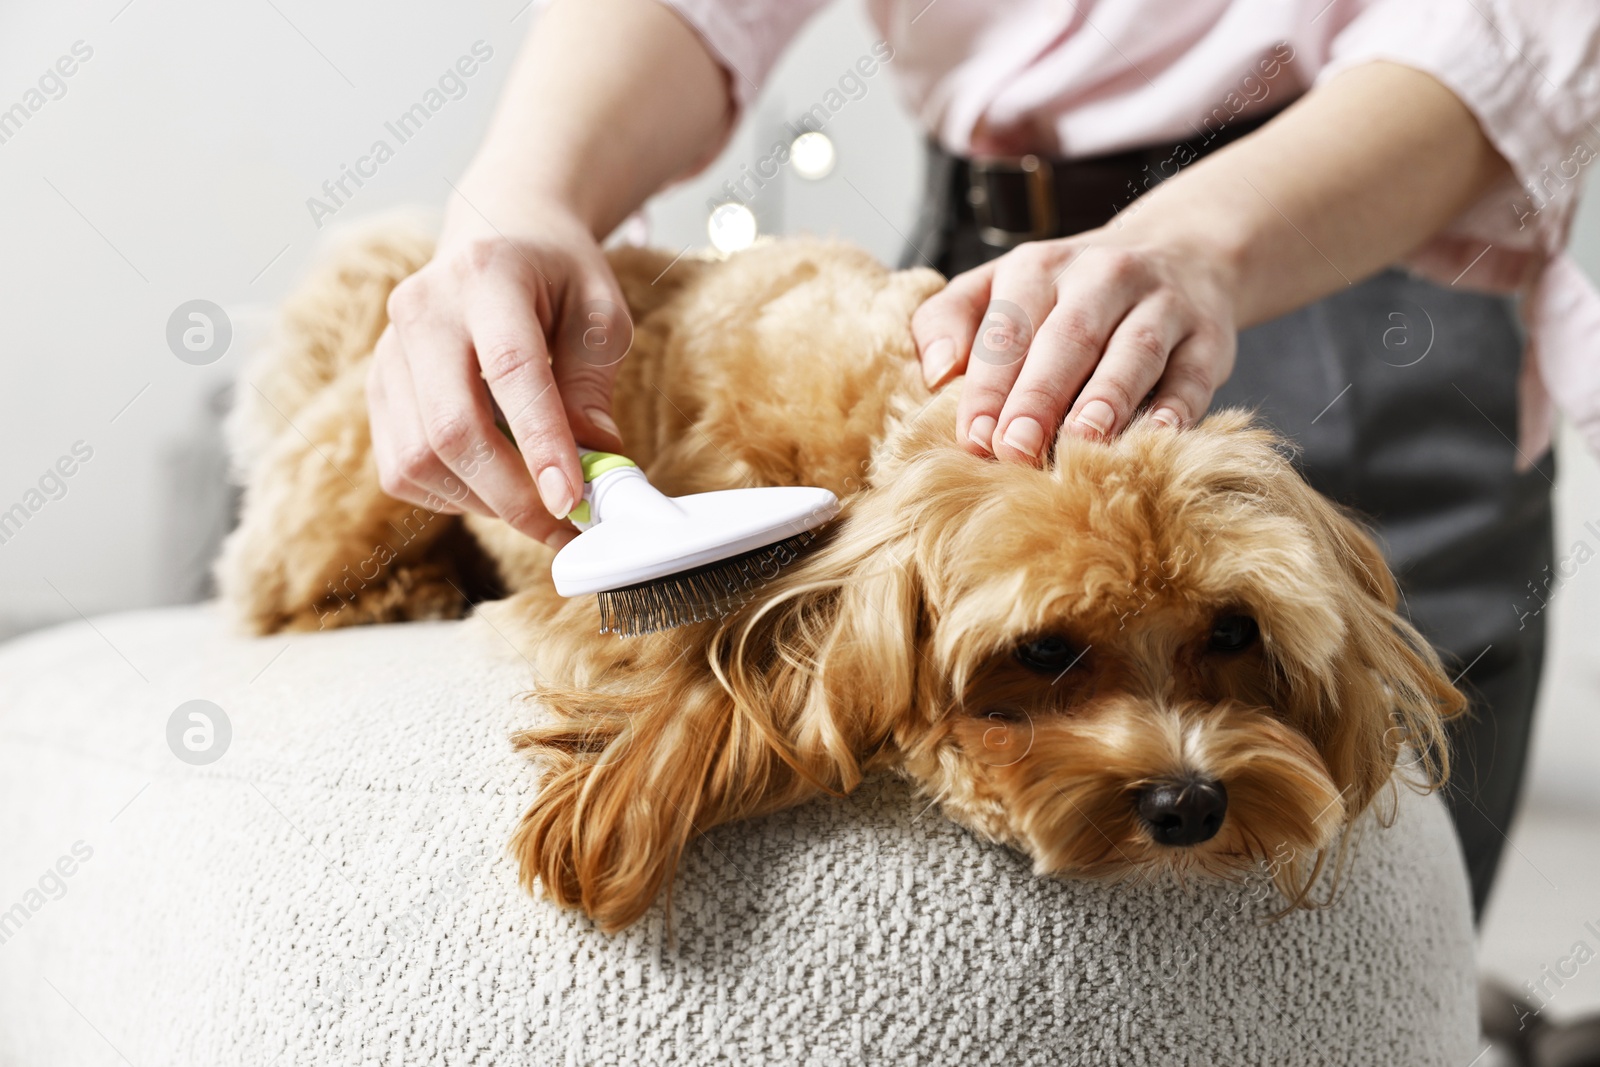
<point>1402,396</point>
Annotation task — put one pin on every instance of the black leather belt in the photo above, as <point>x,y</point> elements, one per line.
<point>1028,198</point>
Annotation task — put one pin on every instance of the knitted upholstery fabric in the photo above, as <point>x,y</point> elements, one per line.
<point>334,889</point>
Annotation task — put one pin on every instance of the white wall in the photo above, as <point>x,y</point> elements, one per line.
<point>177,166</point>
<point>1566,762</point>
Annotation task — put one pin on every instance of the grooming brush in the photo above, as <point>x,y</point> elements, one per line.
<point>657,561</point>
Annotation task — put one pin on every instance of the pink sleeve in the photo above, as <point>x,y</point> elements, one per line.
<point>1527,71</point>
<point>746,36</point>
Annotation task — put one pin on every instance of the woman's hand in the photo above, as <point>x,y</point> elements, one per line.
<point>1355,174</point>
<point>1072,335</point>
<point>518,318</point>
<point>519,323</point>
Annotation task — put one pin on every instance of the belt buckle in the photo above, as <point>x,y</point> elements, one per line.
<point>1040,180</point>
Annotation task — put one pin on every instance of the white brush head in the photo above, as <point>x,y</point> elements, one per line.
<point>663,536</point>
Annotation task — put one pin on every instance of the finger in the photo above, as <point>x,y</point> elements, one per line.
<point>945,324</point>
<point>1134,361</point>
<point>510,345</point>
<point>1200,363</point>
<point>453,407</point>
<point>385,454</point>
<point>407,468</point>
<point>596,334</point>
<point>432,484</point>
<point>1019,300</point>
<point>1092,294</point>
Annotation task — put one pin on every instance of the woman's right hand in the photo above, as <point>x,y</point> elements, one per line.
<point>518,309</point>
<point>516,321</point>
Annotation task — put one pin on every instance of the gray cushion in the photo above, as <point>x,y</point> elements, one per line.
<point>334,889</point>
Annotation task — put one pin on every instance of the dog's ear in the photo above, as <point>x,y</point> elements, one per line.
<point>1361,682</point>
<point>636,765</point>
<point>1388,698</point>
<point>793,696</point>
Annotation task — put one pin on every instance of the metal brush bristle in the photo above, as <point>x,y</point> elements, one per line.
<point>707,592</point>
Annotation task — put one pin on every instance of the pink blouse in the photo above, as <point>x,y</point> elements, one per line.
<point>1083,77</point>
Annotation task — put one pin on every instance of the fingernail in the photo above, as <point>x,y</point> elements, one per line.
<point>1166,417</point>
<point>1025,435</point>
<point>561,538</point>
<point>1097,416</point>
<point>555,491</point>
<point>602,422</point>
<point>937,361</point>
<point>981,433</point>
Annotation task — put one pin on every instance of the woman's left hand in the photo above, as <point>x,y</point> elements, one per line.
<point>1072,335</point>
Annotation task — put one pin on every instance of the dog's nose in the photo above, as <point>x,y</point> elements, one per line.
<point>1182,813</point>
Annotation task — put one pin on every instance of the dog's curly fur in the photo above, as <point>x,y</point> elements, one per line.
<point>910,638</point>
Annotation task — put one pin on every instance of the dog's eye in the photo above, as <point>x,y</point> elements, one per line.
<point>1234,633</point>
<point>1048,654</point>
<point>1005,713</point>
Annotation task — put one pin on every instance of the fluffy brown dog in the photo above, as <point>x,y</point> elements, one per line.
<point>1162,652</point>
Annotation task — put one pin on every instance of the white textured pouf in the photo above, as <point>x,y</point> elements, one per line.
<point>333,890</point>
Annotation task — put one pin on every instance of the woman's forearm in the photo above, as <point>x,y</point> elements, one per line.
<point>609,100</point>
<point>496,334</point>
<point>1351,178</point>
<point>1348,180</point>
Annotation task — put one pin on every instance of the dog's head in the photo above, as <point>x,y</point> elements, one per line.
<point>1163,651</point>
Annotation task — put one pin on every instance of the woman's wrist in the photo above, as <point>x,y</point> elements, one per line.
<point>514,197</point>
<point>1218,239</point>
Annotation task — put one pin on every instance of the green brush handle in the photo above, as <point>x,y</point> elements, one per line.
<point>595,464</point>
<point>614,485</point>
